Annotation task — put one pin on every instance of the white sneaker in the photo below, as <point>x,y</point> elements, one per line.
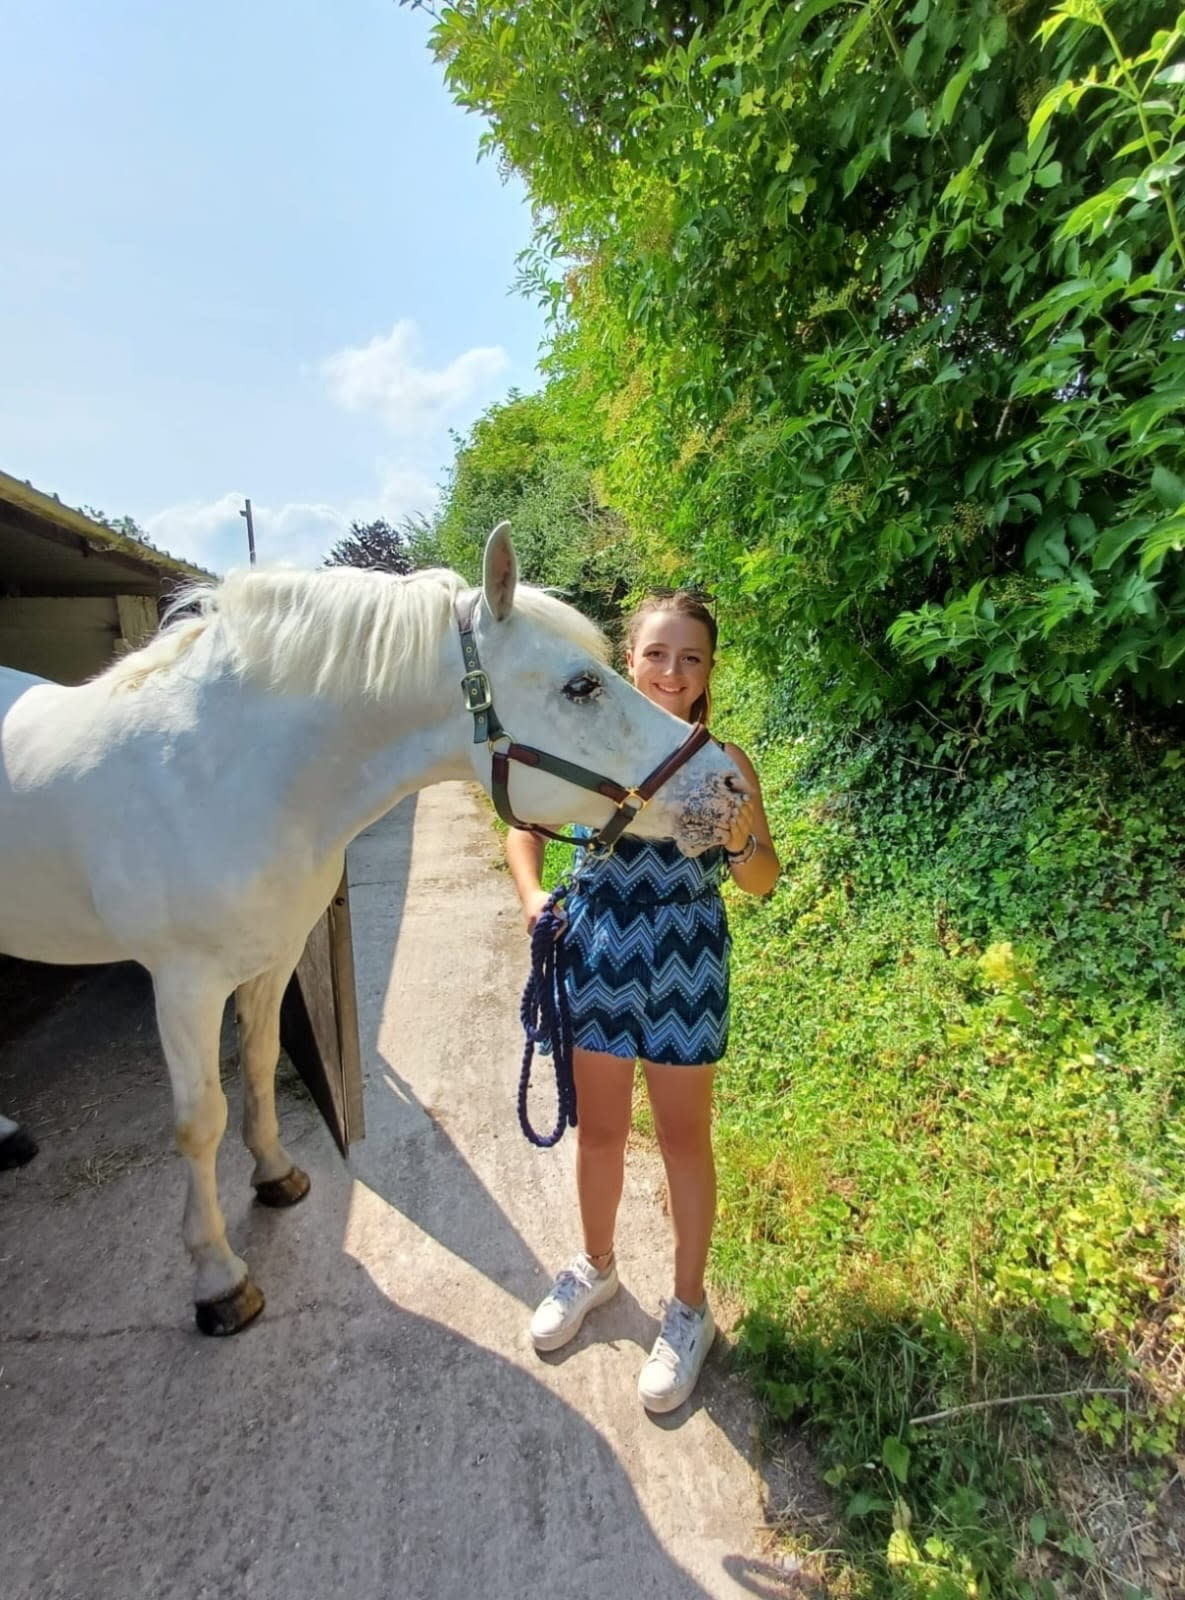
<point>577,1289</point>
<point>673,1366</point>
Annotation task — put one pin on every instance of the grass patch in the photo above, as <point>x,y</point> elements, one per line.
<point>952,1157</point>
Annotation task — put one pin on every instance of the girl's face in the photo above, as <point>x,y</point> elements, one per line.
<point>671,660</point>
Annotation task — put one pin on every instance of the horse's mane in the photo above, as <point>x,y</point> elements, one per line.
<point>338,632</point>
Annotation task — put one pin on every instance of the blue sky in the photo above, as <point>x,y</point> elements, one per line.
<point>249,250</point>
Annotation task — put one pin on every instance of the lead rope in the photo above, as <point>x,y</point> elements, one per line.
<point>547,1021</point>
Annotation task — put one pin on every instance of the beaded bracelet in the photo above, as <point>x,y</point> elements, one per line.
<point>737,858</point>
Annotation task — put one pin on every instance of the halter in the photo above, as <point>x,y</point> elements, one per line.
<point>479,700</point>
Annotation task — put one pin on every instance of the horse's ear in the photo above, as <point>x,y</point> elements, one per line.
<point>500,573</point>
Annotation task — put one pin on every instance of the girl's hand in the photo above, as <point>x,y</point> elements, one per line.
<point>533,904</point>
<point>741,828</point>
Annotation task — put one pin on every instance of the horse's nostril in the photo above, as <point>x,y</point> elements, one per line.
<point>736,785</point>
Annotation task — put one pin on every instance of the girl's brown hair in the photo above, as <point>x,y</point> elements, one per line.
<point>684,603</point>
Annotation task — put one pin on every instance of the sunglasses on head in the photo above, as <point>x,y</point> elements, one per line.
<point>699,596</point>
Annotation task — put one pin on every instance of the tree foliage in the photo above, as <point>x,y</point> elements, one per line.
<point>519,463</point>
<point>874,310</point>
<point>126,525</point>
<point>379,546</point>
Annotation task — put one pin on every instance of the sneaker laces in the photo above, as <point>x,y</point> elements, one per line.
<point>677,1336</point>
<point>572,1282</point>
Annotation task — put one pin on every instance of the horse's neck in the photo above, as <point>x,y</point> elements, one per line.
<point>339,766</point>
<point>289,774</point>
<point>377,772</point>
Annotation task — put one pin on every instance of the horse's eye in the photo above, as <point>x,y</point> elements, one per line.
<point>583,686</point>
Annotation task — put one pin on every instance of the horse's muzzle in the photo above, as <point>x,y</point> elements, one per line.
<point>709,812</point>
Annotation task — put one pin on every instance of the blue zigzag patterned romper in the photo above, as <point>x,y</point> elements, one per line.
<point>648,947</point>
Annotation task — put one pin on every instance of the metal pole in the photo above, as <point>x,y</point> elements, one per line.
<point>250,529</point>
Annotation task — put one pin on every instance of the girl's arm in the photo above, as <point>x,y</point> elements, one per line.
<point>756,869</point>
<point>524,854</point>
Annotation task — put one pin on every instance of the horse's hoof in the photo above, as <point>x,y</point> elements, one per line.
<point>232,1313</point>
<point>287,1191</point>
<point>17,1149</point>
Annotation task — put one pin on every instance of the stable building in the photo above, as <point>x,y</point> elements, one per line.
<point>75,593</point>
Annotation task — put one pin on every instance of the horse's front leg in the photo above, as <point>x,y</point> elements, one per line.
<point>278,1180</point>
<point>189,1005</point>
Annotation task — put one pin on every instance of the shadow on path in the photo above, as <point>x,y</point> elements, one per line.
<point>342,1446</point>
<point>423,979</point>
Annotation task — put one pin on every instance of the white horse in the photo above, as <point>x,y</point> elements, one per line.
<point>190,808</point>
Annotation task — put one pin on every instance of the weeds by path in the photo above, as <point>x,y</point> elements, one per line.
<point>952,1162</point>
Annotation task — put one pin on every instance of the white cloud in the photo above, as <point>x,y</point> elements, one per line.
<point>214,534</point>
<point>405,491</point>
<point>383,377</point>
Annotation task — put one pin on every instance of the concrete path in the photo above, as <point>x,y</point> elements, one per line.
<point>386,1428</point>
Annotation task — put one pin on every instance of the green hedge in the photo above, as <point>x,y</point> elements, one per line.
<point>951,1143</point>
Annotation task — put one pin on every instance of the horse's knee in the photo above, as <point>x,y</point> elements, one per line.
<point>197,1135</point>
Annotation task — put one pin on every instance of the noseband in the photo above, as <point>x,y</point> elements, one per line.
<point>479,700</point>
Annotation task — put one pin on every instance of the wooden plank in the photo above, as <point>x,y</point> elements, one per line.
<point>65,640</point>
<point>346,1005</point>
<point>308,1029</point>
<point>319,1022</point>
<point>137,619</point>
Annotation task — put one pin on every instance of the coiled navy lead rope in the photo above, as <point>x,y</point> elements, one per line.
<point>547,1021</point>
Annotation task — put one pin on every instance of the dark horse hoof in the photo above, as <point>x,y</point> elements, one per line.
<point>232,1313</point>
<point>287,1191</point>
<point>18,1148</point>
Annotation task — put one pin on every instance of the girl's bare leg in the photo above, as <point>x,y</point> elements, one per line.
<point>604,1089</point>
<point>681,1098</point>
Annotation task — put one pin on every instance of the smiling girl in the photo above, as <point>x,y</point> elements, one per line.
<point>648,951</point>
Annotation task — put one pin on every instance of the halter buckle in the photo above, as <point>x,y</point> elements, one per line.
<point>631,797</point>
<point>475,687</point>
